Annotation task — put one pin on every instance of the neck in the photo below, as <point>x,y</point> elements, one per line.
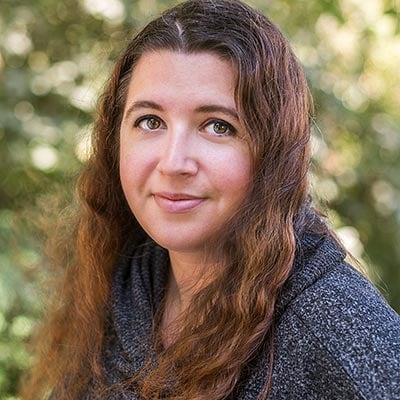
<point>189,273</point>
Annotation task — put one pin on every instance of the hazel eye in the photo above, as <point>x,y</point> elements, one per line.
<point>148,123</point>
<point>219,128</point>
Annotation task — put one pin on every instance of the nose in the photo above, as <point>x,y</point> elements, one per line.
<point>177,154</point>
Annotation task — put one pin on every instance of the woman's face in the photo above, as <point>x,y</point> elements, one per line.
<point>184,163</point>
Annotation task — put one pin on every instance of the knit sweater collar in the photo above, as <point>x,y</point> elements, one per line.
<point>137,291</point>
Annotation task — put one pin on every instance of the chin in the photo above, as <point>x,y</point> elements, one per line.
<point>181,244</point>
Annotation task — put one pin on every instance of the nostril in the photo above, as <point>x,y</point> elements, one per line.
<point>177,156</point>
<point>177,164</point>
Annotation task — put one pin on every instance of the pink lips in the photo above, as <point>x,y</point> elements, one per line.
<point>176,202</point>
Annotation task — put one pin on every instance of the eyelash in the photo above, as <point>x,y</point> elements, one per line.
<point>147,117</point>
<point>230,130</point>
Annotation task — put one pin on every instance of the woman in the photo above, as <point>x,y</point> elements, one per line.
<point>200,269</point>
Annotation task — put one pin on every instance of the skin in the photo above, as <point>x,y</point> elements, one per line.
<point>185,167</point>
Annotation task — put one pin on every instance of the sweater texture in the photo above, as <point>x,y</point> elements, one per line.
<point>335,335</point>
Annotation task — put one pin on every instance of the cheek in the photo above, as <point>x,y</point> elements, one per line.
<point>127,170</point>
<point>242,170</point>
<point>234,172</point>
<point>132,168</point>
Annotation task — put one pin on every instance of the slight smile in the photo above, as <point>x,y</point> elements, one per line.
<point>177,202</point>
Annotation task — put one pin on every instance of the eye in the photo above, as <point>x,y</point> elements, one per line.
<point>149,123</point>
<point>219,128</point>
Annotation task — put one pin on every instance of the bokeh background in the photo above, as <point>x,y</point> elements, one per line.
<point>54,59</point>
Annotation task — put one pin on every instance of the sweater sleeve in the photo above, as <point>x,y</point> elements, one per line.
<point>338,340</point>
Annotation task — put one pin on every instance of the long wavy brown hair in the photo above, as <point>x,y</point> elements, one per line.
<point>257,247</point>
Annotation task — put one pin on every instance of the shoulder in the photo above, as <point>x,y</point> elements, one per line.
<point>347,302</point>
<point>344,334</point>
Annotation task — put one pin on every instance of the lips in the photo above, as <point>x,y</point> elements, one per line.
<point>177,202</point>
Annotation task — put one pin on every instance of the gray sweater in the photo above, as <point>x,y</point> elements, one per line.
<point>335,337</point>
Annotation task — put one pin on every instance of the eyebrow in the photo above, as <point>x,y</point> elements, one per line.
<point>201,109</point>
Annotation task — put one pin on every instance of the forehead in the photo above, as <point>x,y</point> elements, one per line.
<point>194,75</point>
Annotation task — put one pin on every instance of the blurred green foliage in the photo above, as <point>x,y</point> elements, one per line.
<point>54,59</point>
